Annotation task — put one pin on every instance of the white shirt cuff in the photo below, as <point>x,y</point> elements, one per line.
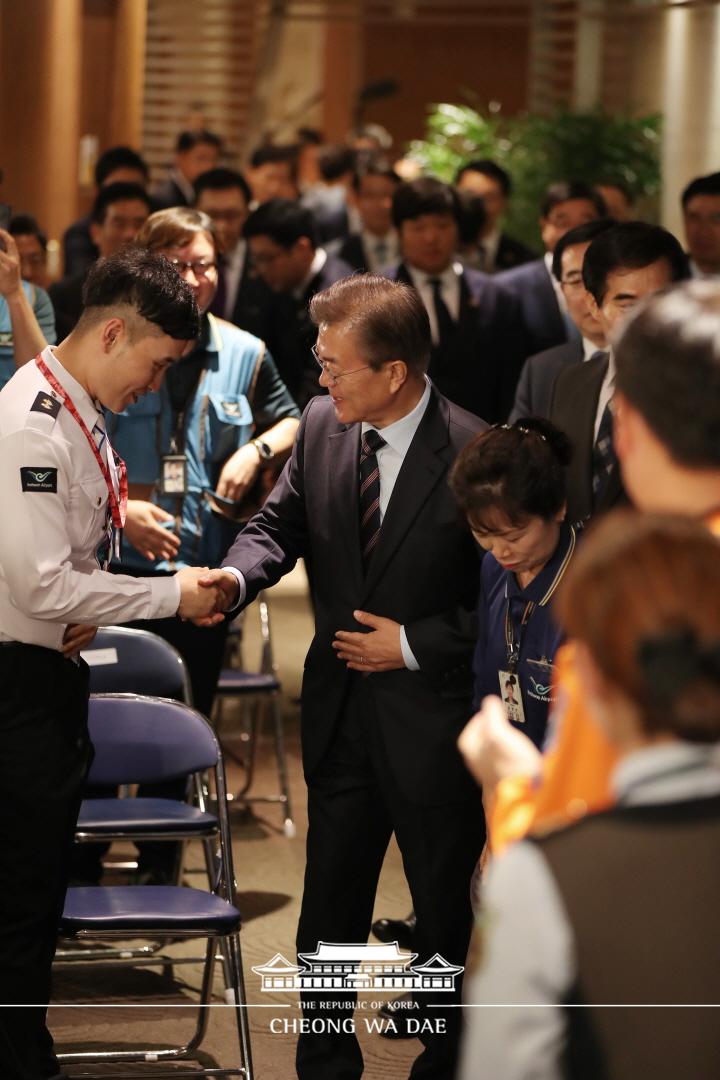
<point>410,662</point>
<point>242,589</point>
<point>164,597</point>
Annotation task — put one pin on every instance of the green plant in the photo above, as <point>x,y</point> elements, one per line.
<point>538,150</point>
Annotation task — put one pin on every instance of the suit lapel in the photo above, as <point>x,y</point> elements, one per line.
<point>579,423</point>
<point>343,488</point>
<point>423,468</point>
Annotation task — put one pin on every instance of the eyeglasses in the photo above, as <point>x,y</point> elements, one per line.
<point>322,364</point>
<point>200,269</point>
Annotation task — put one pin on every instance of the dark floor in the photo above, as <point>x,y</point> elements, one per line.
<point>91,1007</point>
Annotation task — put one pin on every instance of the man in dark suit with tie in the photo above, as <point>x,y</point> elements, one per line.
<point>242,297</point>
<point>534,390</point>
<point>498,250</point>
<point>387,683</point>
<point>622,266</point>
<point>282,240</point>
<point>376,245</point>
<point>477,341</point>
<point>565,206</point>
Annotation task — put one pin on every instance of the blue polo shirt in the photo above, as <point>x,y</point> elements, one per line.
<point>539,640</point>
<point>45,316</point>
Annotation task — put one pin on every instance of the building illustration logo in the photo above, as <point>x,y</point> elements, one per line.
<point>357,968</point>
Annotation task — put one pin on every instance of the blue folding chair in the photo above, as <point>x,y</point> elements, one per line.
<point>140,739</point>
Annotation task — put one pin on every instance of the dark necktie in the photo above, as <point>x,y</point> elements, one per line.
<point>217,307</point>
<point>370,518</point>
<point>603,455</point>
<point>445,321</point>
<point>381,254</point>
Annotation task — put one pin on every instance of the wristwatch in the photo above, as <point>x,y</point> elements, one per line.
<point>265,452</point>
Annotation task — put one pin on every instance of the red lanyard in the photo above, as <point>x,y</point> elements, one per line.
<point>118,507</point>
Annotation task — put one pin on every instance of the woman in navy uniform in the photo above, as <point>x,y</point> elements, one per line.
<point>510,483</point>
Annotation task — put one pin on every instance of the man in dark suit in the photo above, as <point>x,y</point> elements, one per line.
<point>242,297</point>
<point>477,341</point>
<point>534,389</point>
<point>498,250</point>
<point>281,237</point>
<point>119,212</point>
<point>366,494</point>
<point>195,153</point>
<point>375,246</point>
<point>622,266</point>
<point>545,318</point>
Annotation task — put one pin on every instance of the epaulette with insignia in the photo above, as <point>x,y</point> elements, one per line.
<point>47,404</point>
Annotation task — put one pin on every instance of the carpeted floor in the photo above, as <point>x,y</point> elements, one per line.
<point>123,1008</point>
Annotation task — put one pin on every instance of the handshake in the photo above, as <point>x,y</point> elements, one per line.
<point>205,595</point>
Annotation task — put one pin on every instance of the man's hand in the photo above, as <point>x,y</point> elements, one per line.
<point>77,636</point>
<point>378,650</point>
<point>239,472</point>
<point>225,587</point>
<point>198,601</point>
<point>493,749</point>
<point>144,532</point>
<point>10,277</point>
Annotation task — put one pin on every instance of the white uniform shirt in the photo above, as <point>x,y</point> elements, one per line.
<point>54,512</point>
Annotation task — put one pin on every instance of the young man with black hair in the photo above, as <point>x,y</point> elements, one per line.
<point>118,213</point>
<point>31,244</point>
<point>282,240</point>
<point>565,205</point>
<point>328,198</point>
<point>375,245</point>
<point>64,495</point>
<point>701,215</point>
<point>195,153</point>
<point>478,347</point>
<point>622,266</point>
<point>493,184</point>
<point>118,165</point>
<point>273,173</point>
<point>241,297</point>
<point>534,390</point>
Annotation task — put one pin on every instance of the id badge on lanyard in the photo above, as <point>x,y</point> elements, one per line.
<point>173,474</point>
<point>510,692</point>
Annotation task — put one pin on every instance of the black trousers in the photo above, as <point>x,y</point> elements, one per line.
<point>45,753</point>
<point>354,806</point>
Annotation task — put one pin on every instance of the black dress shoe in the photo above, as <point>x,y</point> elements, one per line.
<point>396,1011</point>
<point>400,930</point>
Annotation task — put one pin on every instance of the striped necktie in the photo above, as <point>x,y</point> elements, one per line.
<point>370,517</point>
<point>604,458</point>
<point>99,433</point>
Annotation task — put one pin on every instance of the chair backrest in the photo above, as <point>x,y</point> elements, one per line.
<point>124,660</point>
<point>143,739</point>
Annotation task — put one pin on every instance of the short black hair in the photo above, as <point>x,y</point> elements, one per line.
<point>26,225</point>
<point>581,234</point>
<point>373,165</point>
<point>113,193</point>
<point>668,368</point>
<point>118,157</point>
<point>630,245</point>
<point>188,140</point>
<point>425,195</point>
<point>491,170</point>
<point>283,220</point>
<point>472,217</point>
<point>274,154</point>
<point>701,185</point>
<point>336,160</point>
<point>517,471</point>
<point>565,190</point>
<point>149,284</point>
<point>619,185</point>
<point>221,179</point>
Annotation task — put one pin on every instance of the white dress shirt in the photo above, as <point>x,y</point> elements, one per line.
<point>398,437</point>
<point>528,953</point>
<point>607,389</point>
<point>449,290</point>
<point>489,248</point>
<point>49,575</point>
<point>389,249</point>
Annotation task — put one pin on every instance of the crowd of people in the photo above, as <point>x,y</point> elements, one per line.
<point>317,358</point>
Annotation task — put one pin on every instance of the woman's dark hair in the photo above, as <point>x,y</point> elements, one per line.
<point>518,472</point>
<point>643,594</point>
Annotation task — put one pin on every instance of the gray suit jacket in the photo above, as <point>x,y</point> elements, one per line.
<point>534,389</point>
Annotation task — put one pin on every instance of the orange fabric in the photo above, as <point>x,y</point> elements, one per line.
<point>576,770</point>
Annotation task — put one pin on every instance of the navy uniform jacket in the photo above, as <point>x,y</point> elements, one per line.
<point>540,640</point>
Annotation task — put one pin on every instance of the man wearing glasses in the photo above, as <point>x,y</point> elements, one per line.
<point>387,681</point>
